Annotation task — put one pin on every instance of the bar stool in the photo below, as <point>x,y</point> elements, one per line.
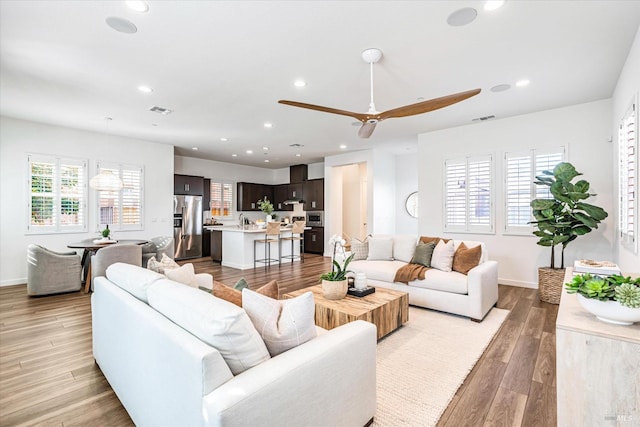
<point>298,228</point>
<point>272,235</point>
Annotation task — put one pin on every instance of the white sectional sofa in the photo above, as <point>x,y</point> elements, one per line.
<point>471,295</point>
<point>166,376</point>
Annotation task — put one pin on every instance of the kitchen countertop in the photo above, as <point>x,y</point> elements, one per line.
<point>247,229</point>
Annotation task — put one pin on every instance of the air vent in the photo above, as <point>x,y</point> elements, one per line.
<point>483,118</point>
<point>296,145</point>
<point>160,110</point>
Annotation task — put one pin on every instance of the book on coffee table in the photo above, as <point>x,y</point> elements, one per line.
<point>600,268</point>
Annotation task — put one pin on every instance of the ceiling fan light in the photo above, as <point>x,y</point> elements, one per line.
<point>371,55</point>
<point>106,180</point>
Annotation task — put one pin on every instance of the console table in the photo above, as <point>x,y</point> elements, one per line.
<point>597,367</point>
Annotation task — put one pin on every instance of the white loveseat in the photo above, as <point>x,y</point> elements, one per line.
<point>165,376</point>
<point>471,295</point>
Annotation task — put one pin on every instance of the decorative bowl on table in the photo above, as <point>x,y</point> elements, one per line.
<point>610,311</point>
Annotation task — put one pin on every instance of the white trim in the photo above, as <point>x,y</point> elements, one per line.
<point>517,283</point>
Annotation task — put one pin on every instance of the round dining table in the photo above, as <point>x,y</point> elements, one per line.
<point>90,247</point>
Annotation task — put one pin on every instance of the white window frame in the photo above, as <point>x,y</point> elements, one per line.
<point>56,194</point>
<point>467,225</point>
<point>119,226</point>
<point>212,208</point>
<point>532,157</point>
<point>628,177</point>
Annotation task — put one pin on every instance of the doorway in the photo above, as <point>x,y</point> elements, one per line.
<point>354,200</point>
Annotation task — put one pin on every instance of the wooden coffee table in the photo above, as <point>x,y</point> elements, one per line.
<point>385,308</point>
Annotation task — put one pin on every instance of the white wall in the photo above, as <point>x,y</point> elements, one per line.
<point>18,137</point>
<point>585,129</point>
<point>406,183</point>
<point>628,86</point>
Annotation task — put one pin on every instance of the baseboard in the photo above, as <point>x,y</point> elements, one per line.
<point>520,283</point>
<point>12,282</point>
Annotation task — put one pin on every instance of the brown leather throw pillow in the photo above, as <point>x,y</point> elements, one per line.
<point>466,258</point>
<point>225,292</point>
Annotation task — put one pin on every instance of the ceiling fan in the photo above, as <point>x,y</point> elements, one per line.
<point>372,117</point>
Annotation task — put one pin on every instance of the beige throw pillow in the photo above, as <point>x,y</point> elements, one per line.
<point>282,324</point>
<point>380,248</point>
<point>185,275</point>
<point>359,249</point>
<point>165,263</point>
<point>442,258</point>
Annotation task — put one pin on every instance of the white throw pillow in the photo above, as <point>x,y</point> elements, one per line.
<point>165,263</point>
<point>217,322</point>
<point>282,324</point>
<point>442,258</point>
<point>185,275</point>
<point>404,247</point>
<point>380,248</point>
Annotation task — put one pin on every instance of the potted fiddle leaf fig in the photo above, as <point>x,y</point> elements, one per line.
<point>560,220</point>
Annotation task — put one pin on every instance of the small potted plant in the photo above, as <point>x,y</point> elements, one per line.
<point>267,207</point>
<point>613,299</point>
<point>106,233</point>
<point>560,220</point>
<point>334,283</point>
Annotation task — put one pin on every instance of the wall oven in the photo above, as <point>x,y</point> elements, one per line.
<point>315,219</point>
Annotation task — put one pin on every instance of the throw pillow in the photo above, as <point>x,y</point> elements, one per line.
<point>241,284</point>
<point>423,254</point>
<point>403,247</point>
<point>162,265</point>
<point>442,258</point>
<point>234,295</point>
<point>359,249</point>
<point>218,323</point>
<point>185,275</point>
<point>282,324</point>
<point>380,248</point>
<point>435,240</point>
<point>466,258</point>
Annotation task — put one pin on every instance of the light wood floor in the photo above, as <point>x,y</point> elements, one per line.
<point>48,375</point>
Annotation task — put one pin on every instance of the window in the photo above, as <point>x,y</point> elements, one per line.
<point>122,210</point>
<point>221,203</point>
<point>58,194</point>
<point>520,171</point>
<point>468,194</point>
<point>628,177</point>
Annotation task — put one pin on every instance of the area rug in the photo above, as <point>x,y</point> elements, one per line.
<point>421,366</point>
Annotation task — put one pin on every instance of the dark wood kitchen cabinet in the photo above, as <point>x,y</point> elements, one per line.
<point>206,242</point>
<point>284,192</point>
<point>188,185</point>
<point>206,196</point>
<point>314,240</point>
<point>248,195</point>
<point>313,195</point>
<point>216,246</point>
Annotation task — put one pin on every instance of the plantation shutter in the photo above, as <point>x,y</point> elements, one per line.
<point>221,198</point>
<point>468,194</point>
<point>132,196</point>
<point>628,178</point>
<point>58,194</point>
<point>123,209</point>
<point>520,170</point>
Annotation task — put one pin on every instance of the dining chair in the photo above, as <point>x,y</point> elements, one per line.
<point>50,272</point>
<point>130,254</point>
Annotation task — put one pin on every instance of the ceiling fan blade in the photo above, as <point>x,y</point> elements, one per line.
<point>426,106</point>
<point>367,129</point>
<point>358,116</point>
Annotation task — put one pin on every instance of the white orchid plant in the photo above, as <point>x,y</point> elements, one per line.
<point>338,272</point>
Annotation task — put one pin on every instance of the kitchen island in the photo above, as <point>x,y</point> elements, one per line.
<point>237,245</point>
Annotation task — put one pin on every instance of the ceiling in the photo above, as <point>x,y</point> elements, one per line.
<point>221,66</point>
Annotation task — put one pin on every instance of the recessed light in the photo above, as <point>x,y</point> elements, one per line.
<point>249,151</point>
<point>342,146</point>
<point>266,160</point>
<point>224,139</point>
<point>500,87</point>
<point>298,155</point>
<point>265,148</point>
<point>234,155</point>
<point>145,89</point>
<point>523,82</point>
<point>138,6</point>
<point>462,17</point>
<point>268,125</point>
<point>194,148</point>
<point>300,83</point>
<point>493,5</point>
<point>121,25</point>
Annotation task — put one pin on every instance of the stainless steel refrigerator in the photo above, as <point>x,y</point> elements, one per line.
<point>187,226</point>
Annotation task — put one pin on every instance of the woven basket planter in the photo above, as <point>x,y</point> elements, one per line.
<point>550,281</point>
<point>334,289</point>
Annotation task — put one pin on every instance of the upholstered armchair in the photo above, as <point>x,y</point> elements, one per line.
<point>50,272</point>
<point>129,254</point>
<point>157,247</point>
